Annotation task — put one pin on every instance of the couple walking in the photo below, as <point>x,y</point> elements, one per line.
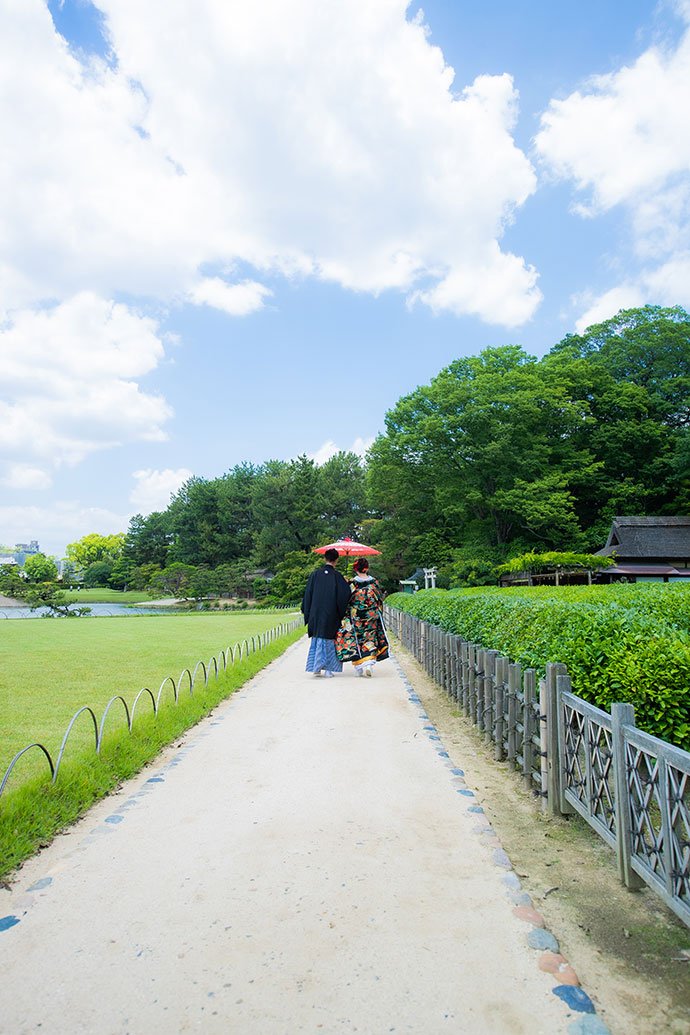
<point>328,599</point>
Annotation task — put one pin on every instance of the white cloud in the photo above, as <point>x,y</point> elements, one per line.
<point>623,141</point>
<point>304,138</point>
<point>626,296</point>
<point>330,448</point>
<point>23,476</point>
<point>501,289</point>
<point>235,299</point>
<point>153,489</point>
<point>68,388</point>
<point>63,522</point>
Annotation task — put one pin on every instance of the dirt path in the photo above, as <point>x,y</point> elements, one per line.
<point>306,860</point>
<point>627,948</point>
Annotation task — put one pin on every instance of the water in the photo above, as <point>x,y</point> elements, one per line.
<point>96,610</point>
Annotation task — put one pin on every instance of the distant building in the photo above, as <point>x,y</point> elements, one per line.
<point>647,549</point>
<point>20,553</point>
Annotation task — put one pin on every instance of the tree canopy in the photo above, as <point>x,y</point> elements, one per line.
<point>501,454</point>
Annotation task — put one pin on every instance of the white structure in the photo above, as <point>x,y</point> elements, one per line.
<point>430,578</point>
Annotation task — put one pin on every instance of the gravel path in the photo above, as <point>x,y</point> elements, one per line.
<point>306,860</point>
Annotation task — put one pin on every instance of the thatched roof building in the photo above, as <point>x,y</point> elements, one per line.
<point>648,549</point>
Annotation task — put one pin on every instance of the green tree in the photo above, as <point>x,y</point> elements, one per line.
<point>177,580</point>
<point>99,573</point>
<point>148,539</point>
<point>632,372</point>
<point>39,568</point>
<point>121,574</point>
<point>287,585</point>
<point>469,455</point>
<point>287,508</point>
<point>95,547</point>
<point>142,576</point>
<point>211,522</point>
<point>341,489</point>
<point>38,594</point>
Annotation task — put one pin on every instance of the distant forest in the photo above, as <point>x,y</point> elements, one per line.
<point>501,453</point>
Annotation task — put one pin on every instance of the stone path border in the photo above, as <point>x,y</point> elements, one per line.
<point>550,960</point>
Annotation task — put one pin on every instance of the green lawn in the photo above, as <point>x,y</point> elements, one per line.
<point>49,669</point>
<point>106,596</point>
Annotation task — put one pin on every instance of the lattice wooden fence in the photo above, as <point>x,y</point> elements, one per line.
<point>633,789</point>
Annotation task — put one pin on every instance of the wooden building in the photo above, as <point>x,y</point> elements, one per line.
<point>647,549</point>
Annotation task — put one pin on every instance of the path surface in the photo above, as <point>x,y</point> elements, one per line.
<point>305,861</point>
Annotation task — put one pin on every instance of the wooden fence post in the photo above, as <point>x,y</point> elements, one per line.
<point>544,743</point>
<point>514,679</point>
<point>528,683</point>
<point>553,671</point>
<point>472,682</point>
<point>489,694</point>
<point>563,685</point>
<point>465,676</point>
<point>623,715</point>
<point>499,720</point>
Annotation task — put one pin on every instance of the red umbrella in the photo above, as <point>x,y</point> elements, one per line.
<point>347,547</point>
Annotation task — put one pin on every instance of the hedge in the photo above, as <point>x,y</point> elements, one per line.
<point>620,642</point>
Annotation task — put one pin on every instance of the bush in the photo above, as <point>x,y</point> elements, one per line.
<point>620,643</point>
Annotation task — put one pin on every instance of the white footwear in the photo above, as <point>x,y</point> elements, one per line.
<point>369,671</point>
<point>358,670</point>
<point>328,675</point>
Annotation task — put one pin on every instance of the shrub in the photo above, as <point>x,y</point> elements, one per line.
<point>620,643</point>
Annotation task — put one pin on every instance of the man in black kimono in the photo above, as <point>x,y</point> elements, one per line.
<point>324,605</point>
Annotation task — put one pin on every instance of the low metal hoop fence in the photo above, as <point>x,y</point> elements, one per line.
<point>229,656</point>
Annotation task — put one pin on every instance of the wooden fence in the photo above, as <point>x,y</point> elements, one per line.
<point>633,789</point>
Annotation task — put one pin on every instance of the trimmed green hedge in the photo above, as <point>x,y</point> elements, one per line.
<point>620,642</point>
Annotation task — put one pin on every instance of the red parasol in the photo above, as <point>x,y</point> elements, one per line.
<point>347,547</point>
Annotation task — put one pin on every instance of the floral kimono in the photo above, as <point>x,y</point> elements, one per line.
<point>362,637</point>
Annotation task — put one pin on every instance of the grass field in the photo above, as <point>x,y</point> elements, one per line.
<point>50,669</point>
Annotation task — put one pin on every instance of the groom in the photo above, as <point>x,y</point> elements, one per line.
<point>324,605</point>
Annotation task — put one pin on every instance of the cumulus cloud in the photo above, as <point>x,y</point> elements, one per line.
<point>153,489</point>
<point>625,296</point>
<point>235,299</point>
<point>69,386</point>
<point>310,138</point>
<point>330,448</point>
<point>622,139</point>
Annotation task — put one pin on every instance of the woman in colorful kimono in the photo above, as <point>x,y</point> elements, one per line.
<point>368,632</point>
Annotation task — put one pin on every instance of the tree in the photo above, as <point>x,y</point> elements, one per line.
<point>98,573</point>
<point>232,578</point>
<point>121,573</point>
<point>148,539</point>
<point>176,580</point>
<point>38,594</point>
<point>142,576</point>
<point>469,455</point>
<point>39,568</point>
<point>211,522</point>
<point>95,547</point>
<point>341,488</point>
<point>632,372</point>
<point>287,508</point>
<point>287,585</point>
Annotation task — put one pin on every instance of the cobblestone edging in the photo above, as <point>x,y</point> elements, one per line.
<point>538,938</point>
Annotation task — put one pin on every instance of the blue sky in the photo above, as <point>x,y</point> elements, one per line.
<point>236,232</point>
